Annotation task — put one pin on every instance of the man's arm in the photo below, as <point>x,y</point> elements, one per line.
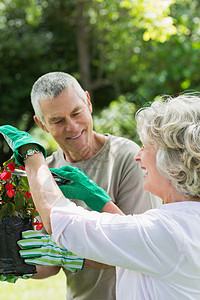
<point>111,208</point>
<point>44,272</point>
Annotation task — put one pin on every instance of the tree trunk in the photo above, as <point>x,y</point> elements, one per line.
<point>83,47</point>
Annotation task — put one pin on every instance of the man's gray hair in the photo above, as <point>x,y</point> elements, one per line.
<point>49,86</point>
<point>172,126</point>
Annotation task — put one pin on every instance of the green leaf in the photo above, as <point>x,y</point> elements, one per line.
<point>10,208</point>
<point>7,210</point>
<point>25,183</point>
<point>3,212</point>
<point>19,202</point>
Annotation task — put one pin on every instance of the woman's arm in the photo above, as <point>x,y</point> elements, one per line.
<point>45,191</point>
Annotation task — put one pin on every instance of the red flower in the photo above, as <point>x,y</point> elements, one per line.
<point>38,224</point>
<point>27,195</point>
<point>9,186</point>
<point>22,168</point>
<point>11,193</point>
<point>5,175</point>
<point>11,166</point>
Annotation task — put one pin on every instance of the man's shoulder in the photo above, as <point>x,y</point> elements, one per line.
<point>55,160</point>
<point>122,144</point>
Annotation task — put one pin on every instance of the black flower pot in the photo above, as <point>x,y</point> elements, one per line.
<point>10,232</point>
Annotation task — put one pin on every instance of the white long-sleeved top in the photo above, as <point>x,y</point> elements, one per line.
<point>113,168</point>
<point>157,253</point>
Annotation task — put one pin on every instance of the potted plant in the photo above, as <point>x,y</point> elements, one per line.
<point>17,214</point>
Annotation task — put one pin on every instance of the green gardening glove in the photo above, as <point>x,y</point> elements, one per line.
<point>39,249</point>
<point>16,139</point>
<point>12,278</point>
<point>75,184</point>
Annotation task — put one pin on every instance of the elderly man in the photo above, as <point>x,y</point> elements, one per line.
<point>63,109</point>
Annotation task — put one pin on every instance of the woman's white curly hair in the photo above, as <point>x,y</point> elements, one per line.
<point>172,126</point>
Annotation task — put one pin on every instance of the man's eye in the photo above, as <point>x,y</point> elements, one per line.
<point>58,121</point>
<point>76,113</point>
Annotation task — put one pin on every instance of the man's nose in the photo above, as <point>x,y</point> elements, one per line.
<point>71,125</point>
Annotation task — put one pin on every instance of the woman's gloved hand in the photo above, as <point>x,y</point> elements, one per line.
<point>39,249</point>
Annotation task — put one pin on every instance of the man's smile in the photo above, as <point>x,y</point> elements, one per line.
<point>75,137</point>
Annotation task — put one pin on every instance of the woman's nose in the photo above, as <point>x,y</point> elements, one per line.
<point>137,156</point>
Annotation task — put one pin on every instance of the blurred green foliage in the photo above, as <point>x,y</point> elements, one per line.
<point>118,119</point>
<point>115,48</point>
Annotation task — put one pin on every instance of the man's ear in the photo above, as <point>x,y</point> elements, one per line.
<point>40,124</point>
<point>89,101</point>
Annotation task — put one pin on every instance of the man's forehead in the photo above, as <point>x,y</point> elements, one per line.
<point>62,101</point>
<point>56,112</point>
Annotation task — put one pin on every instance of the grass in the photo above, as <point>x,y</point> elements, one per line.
<point>50,288</point>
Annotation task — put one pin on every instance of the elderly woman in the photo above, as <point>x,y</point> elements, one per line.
<point>156,254</point>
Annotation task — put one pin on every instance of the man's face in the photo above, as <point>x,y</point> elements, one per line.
<point>68,119</point>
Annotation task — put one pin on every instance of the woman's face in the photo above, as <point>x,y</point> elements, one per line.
<point>154,182</point>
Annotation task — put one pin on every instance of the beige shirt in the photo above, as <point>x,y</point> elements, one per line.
<point>113,168</point>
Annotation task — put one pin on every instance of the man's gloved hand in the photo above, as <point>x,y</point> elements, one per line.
<point>12,278</point>
<point>39,249</point>
<point>75,184</point>
<point>16,139</point>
